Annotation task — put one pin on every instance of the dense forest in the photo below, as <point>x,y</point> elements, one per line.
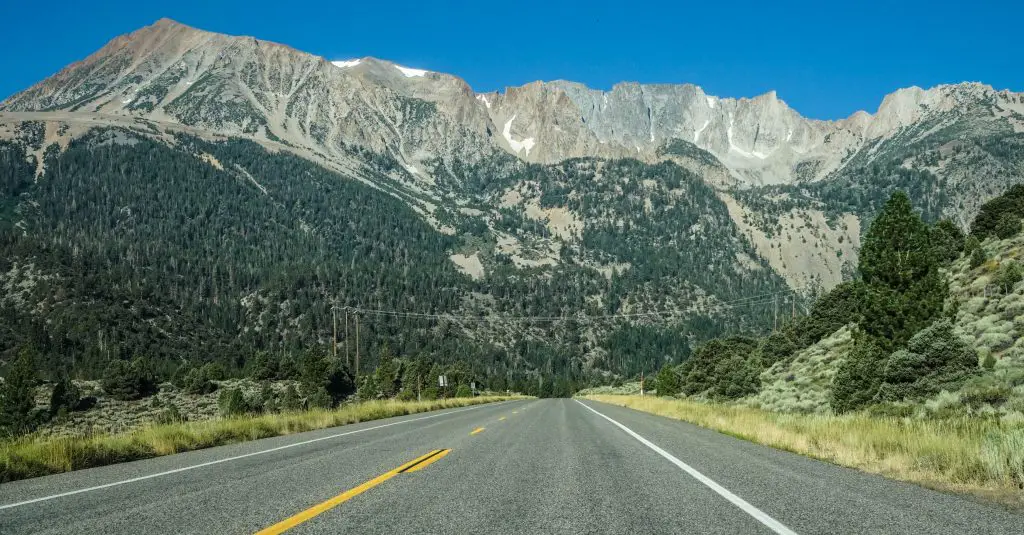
<point>153,261</point>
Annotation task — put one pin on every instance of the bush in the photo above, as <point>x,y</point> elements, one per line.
<point>320,399</point>
<point>1009,275</point>
<point>232,402</point>
<point>65,396</point>
<point>935,359</point>
<point>1008,226</point>
<point>327,374</point>
<point>948,240</point>
<point>667,381</point>
<point>170,415</point>
<point>978,257</point>
<point>991,394</point>
<point>723,368</point>
<point>197,381</point>
<point>859,377</point>
<point>290,400</point>
<point>463,391</point>
<point>17,397</point>
<point>1002,208</point>
<point>125,380</point>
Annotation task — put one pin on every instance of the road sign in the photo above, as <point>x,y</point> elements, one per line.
<point>442,380</point>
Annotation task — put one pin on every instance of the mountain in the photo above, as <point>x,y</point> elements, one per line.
<point>549,199</point>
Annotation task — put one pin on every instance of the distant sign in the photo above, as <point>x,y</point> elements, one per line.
<point>442,380</point>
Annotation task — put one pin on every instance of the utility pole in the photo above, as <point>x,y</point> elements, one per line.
<point>775,322</point>
<point>357,349</point>
<point>334,338</point>
<point>348,360</point>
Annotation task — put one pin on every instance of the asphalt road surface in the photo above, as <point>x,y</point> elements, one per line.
<point>532,466</point>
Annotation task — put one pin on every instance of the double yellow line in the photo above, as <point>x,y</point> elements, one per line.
<point>414,465</point>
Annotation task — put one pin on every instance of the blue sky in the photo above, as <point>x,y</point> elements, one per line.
<point>826,61</point>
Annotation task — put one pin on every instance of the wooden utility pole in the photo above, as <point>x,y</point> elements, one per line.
<point>357,349</point>
<point>348,360</point>
<point>334,339</point>
<point>775,322</point>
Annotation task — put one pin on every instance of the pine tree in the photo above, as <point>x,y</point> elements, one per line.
<point>17,395</point>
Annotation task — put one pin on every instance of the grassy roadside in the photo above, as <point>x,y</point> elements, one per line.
<point>34,456</point>
<point>969,455</point>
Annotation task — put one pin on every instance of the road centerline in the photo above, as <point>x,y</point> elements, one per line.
<point>756,513</point>
<point>477,430</point>
<point>236,457</point>
<point>416,464</point>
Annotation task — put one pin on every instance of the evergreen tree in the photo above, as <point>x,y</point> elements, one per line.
<point>667,381</point>
<point>904,289</point>
<point>65,396</point>
<point>859,376</point>
<point>17,395</point>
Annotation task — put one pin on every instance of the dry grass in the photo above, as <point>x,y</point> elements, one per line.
<point>971,455</point>
<point>33,456</point>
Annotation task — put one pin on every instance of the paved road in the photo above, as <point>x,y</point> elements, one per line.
<point>534,466</point>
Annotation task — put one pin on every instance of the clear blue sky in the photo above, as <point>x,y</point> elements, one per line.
<point>825,61</point>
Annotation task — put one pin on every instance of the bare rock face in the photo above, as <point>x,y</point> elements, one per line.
<point>380,121</point>
<point>244,86</point>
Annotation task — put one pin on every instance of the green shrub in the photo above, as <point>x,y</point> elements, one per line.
<point>65,396</point>
<point>1008,226</point>
<point>989,362</point>
<point>170,415</point>
<point>290,400</point>
<point>197,382</point>
<point>667,381</point>
<point>992,394</point>
<point>463,391</point>
<point>231,402</point>
<point>17,396</point>
<point>859,377</point>
<point>948,240</point>
<point>125,380</point>
<point>994,212</point>
<point>935,359</point>
<point>978,257</point>
<point>327,374</point>
<point>723,368</point>
<point>1009,275</point>
<point>319,399</point>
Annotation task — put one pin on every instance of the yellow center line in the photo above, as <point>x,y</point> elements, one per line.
<point>515,412</point>
<point>477,430</point>
<point>427,462</point>
<point>411,466</point>
<point>500,419</point>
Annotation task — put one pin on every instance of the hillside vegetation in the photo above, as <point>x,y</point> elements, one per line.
<point>914,369</point>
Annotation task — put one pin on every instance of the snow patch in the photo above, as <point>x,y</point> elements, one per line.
<point>737,150</point>
<point>517,146</point>
<point>483,98</point>
<point>696,135</point>
<point>411,73</point>
<point>711,102</point>
<point>347,63</point>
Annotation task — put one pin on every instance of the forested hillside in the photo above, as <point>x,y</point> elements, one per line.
<point>174,254</point>
<point>928,329</point>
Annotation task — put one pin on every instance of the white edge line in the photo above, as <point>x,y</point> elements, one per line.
<point>758,514</point>
<point>236,457</point>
